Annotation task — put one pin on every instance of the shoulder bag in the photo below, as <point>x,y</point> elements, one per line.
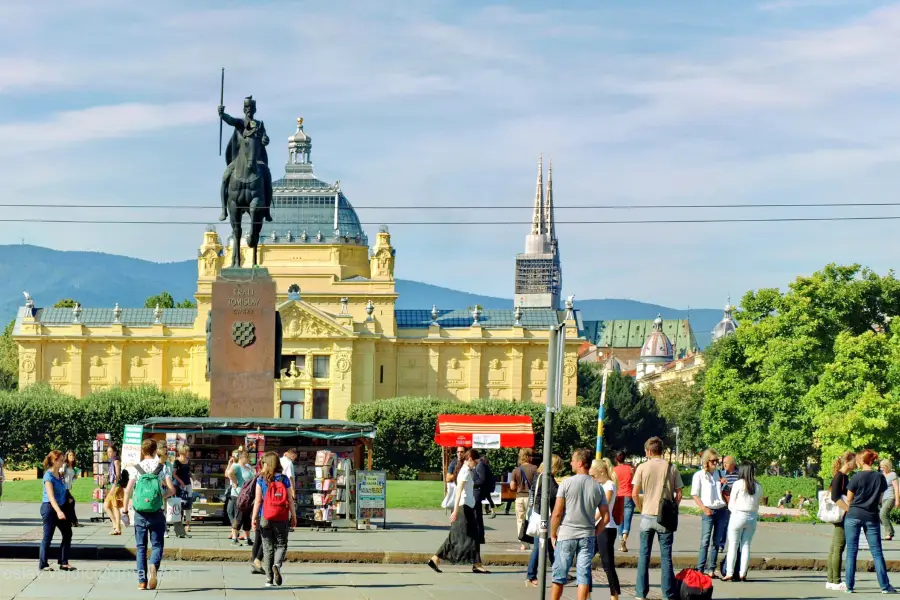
<point>667,514</point>
<point>532,525</point>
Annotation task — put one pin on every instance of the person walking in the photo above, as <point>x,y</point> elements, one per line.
<point>147,491</point>
<point>840,478</point>
<point>521,484</point>
<point>864,493</point>
<point>606,539</point>
<point>115,496</point>
<point>574,526</point>
<point>274,513</point>
<point>891,498</point>
<point>52,514</point>
<point>743,503</point>
<point>727,476</point>
<point>556,465</point>
<point>70,473</point>
<point>624,475</point>
<point>181,476</point>
<point>485,484</point>
<point>239,473</point>
<point>463,543</point>
<point>706,490</point>
<point>656,480</point>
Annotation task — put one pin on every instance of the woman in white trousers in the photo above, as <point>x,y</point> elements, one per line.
<point>744,506</point>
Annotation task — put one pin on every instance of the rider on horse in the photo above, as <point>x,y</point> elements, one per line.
<point>247,127</point>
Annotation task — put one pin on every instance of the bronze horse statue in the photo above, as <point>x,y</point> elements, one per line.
<point>247,183</point>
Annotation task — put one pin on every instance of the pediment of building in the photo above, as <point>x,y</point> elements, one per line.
<point>300,320</point>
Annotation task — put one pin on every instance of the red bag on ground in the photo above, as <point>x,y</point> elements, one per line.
<point>695,585</point>
<point>277,501</point>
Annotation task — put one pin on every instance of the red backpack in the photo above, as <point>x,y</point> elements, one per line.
<point>277,502</point>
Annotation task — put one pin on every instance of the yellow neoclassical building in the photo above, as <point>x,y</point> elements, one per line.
<point>344,340</point>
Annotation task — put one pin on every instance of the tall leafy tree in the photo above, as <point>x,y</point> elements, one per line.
<point>680,405</point>
<point>756,403</point>
<point>630,416</point>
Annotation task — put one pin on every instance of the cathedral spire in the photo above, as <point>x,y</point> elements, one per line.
<point>548,205</point>
<point>537,223</point>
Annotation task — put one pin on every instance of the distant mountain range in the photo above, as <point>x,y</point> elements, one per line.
<point>101,280</point>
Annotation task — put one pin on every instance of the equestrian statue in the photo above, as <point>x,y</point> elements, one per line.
<point>247,182</point>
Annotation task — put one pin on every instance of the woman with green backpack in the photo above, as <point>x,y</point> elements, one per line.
<point>148,487</point>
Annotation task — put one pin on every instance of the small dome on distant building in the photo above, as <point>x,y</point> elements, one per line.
<point>657,348</point>
<point>726,326</point>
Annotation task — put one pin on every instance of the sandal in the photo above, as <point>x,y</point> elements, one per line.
<point>67,568</point>
<point>434,567</point>
<point>531,583</point>
<point>481,571</point>
<point>48,569</point>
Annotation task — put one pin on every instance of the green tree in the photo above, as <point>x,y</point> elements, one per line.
<point>680,405</point>
<point>9,359</point>
<point>855,406</point>
<point>588,373</point>
<point>165,300</point>
<point>66,303</point>
<point>755,388</point>
<point>630,416</point>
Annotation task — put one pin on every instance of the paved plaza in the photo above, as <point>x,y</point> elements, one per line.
<point>412,535</point>
<point>108,580</point>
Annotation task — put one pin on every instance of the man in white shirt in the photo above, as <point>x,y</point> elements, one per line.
<point>706,490</point>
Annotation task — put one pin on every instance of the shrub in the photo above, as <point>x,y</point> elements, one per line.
<point>39,419</point>
<point>773,486</point>
<point>405,438</point>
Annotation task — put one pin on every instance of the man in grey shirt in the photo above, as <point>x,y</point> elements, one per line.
<point>574,525</point>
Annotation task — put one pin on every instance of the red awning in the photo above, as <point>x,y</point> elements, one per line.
<point>484,431</point>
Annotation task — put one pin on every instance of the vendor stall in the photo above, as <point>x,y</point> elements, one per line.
<point>484,432</point>
<point>328,455</point>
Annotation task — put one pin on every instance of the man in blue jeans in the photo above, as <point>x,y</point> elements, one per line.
<point>148,522</point>
<point>648,486</point>
<point>574,525</point>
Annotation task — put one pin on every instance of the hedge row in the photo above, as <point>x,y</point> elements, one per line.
<point>773,486</point>
<point>39,419</point>
<point>405,441</point>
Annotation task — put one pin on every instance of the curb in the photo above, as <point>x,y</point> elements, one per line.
<point>82,552</point>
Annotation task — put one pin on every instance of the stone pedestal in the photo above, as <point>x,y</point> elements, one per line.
<point>242,344</point>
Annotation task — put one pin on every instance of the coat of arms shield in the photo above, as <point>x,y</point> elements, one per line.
<point>243,333</point>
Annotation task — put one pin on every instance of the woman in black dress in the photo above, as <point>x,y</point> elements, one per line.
<point>463,544</point>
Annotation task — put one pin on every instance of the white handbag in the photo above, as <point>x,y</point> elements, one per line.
<point>173,510</point>
<point>829,511</point>
<point>450,497</point>
<point>534,518</point>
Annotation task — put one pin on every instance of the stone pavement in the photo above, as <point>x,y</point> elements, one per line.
<point>412,535</point>
<point>108,580</point>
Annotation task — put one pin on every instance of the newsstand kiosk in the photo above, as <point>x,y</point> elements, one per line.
<point>329,455</point>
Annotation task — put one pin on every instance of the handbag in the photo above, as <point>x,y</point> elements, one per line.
<point>173,510</point>
<point>667,514</point>
<point>829,511</point>
<point>450,497</point>
<point>531,526</point>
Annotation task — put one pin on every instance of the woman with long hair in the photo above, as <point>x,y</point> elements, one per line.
<point>891,498</point>
<point>115,496</point>
<point>238,473</point>
<point>605,544</point>
<point>273,489</point>
<point>521,483</point>
<point>744,506</point>
<point>70,473</point>
<point>841,468</point>
<point>181,476</point>
<point>624,474</point>
<point>864,493</point>
<point>54,498</point>
<point>463,544</point>
<point>556,465</point>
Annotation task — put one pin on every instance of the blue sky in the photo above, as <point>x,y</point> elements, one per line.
<point>441,103</point>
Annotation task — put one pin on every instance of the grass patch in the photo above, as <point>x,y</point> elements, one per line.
<point>400,494</point>
<point>32,490</point>
<point>415,494</point>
